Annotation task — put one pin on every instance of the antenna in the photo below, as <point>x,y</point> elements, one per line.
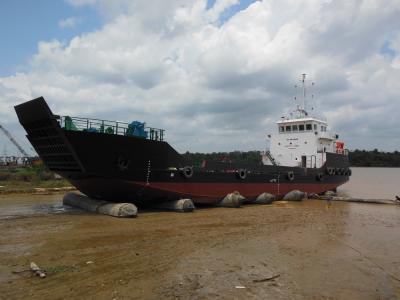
<point>303,82</point>
<point>302,105</point>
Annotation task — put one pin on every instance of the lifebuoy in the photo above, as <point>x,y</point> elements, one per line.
<point>290,175</point>
<point>187,171</point>
<point>241,173</point>
<point>319,176</point>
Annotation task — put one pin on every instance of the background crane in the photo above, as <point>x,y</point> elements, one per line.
<point>10,137</point>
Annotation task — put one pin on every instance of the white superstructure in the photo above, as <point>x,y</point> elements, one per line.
<point>302,140</point>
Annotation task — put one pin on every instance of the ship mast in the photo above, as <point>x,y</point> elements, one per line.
<point>301,109</point>
<point>303,83</point>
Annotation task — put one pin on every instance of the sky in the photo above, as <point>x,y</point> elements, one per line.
<point>216,75</point>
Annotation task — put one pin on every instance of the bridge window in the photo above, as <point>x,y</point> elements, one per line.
<point>308,127</point>
<point>288,128</point>
<point>301,127</point>
<point>315,126</point>
<point>281,129</point>
<point>295,128</point>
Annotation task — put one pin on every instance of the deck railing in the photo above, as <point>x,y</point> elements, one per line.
<point>111,127</point>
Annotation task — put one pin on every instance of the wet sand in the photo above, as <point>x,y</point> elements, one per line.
<point>347,251</point>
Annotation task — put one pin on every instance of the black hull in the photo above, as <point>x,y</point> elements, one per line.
<point>126,168</point>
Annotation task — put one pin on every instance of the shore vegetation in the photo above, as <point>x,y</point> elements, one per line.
<point>27,178</point>
<point>358,158</point>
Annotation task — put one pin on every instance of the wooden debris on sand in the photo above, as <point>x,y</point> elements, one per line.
<point>37,271</point>
<point>267,279</point>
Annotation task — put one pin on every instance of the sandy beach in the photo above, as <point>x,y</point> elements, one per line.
<point>346,251</point>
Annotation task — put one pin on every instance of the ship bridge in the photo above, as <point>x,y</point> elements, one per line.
<point>302,140</point>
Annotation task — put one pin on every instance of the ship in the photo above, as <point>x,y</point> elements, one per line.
<point>130,162</point>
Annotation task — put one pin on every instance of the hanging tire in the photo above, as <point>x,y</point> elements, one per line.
<point>290,175</point>
<point>330,171</point>
<point>122,162</point>
<point>241,173</point>
<point>187,171</point>
<point>319,176</point>
<point>349,172</point>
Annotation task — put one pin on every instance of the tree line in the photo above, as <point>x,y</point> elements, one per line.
<point>374,158</point>
<point>358,158</point>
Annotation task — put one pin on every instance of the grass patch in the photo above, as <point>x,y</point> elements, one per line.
<point>26,179</point>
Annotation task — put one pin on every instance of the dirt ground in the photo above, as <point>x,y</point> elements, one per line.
<point>346,251</point>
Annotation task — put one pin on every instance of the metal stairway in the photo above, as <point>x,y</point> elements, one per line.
<point>271,158</point>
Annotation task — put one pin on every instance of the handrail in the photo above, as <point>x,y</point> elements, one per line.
<point>271,158</point>
<point>109,127</point>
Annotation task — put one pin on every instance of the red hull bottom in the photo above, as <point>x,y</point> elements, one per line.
<point>140,192</point>
<point>207,193</point>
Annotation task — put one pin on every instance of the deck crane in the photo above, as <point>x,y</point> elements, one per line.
<point>10,137</point>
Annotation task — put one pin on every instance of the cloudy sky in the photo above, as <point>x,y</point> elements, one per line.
<point>215,74</point>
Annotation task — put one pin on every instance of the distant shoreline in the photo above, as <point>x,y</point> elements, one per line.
<point>31,180</point>
<point>386,167</point>
<point>358,158</point>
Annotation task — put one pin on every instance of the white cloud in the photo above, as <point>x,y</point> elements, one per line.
<point>173,65</point>
<point>69,22</point>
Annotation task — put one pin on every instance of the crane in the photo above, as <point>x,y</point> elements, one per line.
<point>10,137</point>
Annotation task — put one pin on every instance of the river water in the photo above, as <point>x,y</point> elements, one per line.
<point>373,183</point>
